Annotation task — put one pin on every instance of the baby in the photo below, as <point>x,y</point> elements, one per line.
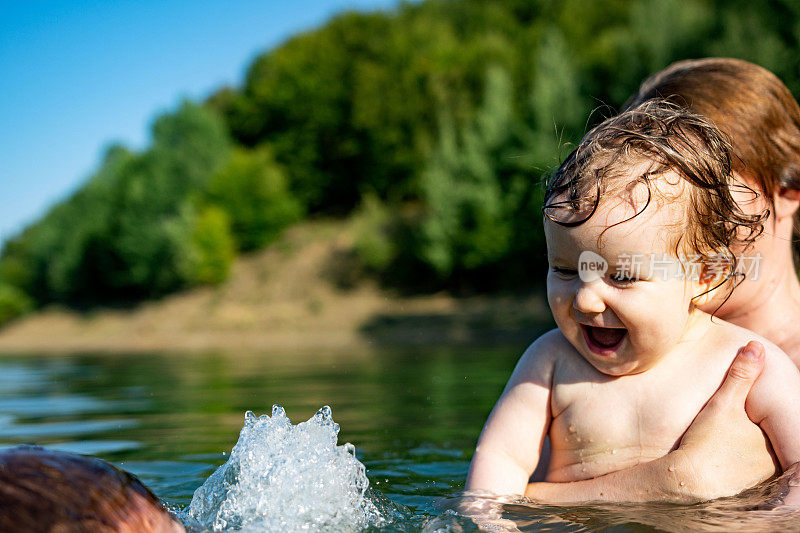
<point>642,228</point>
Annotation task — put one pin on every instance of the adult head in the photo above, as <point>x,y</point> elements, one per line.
<point>44,490</point>
<point>762,119</point>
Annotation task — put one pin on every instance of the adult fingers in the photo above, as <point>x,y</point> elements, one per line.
<point>745,369</point>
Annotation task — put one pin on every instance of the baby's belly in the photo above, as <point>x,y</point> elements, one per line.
<point>575,464</point>
<point>599,437</point>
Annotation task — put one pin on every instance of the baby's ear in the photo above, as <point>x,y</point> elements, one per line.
<point>786,202</point>
<point>713,275</point>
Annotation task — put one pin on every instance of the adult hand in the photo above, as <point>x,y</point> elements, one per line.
<point>717,438</point>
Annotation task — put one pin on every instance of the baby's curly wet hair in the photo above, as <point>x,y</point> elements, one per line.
<point>663,137</point>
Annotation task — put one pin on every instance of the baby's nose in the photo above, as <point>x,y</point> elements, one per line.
<point>587,300</point>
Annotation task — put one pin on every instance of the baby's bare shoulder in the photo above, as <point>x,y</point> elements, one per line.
<point>732,337</point>
<point>540,357</point>
<point>780,376</point>
<point>550,346</point>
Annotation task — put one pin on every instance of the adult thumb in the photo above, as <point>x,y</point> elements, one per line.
<point>744,370</point>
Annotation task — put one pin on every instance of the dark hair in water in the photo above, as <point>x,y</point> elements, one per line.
<point>45,490</point>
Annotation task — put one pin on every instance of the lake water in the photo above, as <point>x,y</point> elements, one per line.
<point>413,414</point>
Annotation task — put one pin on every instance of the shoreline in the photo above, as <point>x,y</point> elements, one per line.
<point>285,297</point>
<point>406,322</point>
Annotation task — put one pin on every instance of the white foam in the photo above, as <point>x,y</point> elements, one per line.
<point>282,477</point>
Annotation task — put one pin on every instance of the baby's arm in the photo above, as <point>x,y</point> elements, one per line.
<point>774,404</point>
<point>509,446</point>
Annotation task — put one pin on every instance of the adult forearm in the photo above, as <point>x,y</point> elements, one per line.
<point>665,479</point>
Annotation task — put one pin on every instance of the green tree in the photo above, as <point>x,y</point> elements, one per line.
<point>468,194</point>
<point>253,191</point>
<point>120,236</point>
<point>376,242</point>
<point>208,255</point>
<point>147,232</point>
<point>13,303</point>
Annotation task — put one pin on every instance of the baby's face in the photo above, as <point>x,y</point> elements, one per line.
<point>625,319</point>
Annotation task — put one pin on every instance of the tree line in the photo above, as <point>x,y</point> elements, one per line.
<point>432,124</point>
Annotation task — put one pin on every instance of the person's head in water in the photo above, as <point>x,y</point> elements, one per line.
<point>44,490</point>
<point>641,229</point>
<point>762,119</point>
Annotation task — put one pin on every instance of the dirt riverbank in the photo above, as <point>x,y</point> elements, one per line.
<point>297,294</point>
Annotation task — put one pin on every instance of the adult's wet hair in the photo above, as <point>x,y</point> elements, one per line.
<point>46,490</point>
<point>749,104</point>
<point>663,137</point>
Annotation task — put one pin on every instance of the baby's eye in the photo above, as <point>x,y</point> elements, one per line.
<point>565,272</point>
<point>623,280</point>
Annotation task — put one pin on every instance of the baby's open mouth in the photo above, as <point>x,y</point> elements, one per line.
<point>603,339</point>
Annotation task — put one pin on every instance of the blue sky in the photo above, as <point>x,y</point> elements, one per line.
<point>77,75</point>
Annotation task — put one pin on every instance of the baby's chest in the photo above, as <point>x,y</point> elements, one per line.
<point>628,420</point>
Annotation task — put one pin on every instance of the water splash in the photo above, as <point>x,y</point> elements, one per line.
<point>284,477</point>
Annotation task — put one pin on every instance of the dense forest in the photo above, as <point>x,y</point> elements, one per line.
<point>431,124</point>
